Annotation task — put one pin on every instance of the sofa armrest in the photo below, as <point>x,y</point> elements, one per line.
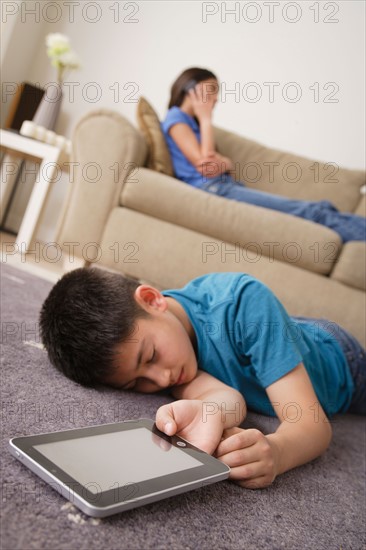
<point>350,267</point>
<point>259,230</point>
<point>105,148</point>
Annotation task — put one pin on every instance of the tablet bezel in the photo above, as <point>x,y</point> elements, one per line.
<point>123,498</point>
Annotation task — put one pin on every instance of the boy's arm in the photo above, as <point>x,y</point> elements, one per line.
<point>305,431</point>
<point>205,408</point>
<point>304,434</point>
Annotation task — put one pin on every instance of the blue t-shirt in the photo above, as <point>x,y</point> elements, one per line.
<point>246,339</point>
<point>183,169</point>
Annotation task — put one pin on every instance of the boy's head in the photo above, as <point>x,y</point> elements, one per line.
<point>86,315</point>
<point>101,328</point>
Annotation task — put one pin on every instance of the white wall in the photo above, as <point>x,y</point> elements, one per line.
<point>21,43</point>
<point>170,36</point>
<point>145,57</point>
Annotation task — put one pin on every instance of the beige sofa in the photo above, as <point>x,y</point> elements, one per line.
<point>153,227</point>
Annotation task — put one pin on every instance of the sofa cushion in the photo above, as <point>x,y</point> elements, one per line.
<point>261,231</point>
<point>149,124</point>
<point>290,175</point>
<point>350,267</point>
<point>168,256</point>
<point>361,207</point>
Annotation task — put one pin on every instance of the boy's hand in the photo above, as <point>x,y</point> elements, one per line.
<point>252,457</point>
<point>185,418</point>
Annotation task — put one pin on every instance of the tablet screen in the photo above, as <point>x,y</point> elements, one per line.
<point>102,462</point>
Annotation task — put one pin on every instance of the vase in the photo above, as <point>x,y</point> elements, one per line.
<point>49,107</point>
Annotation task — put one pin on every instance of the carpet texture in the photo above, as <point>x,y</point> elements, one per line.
<point>320,505</point>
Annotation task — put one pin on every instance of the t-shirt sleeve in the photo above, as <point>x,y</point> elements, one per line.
<point>265,334</point>
<point>174,116</point>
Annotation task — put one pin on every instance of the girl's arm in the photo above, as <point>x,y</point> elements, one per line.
<point>186,141</point>
<point>203,105</point>
<point>202,155</point>
<point>304,434</point>
<point>209,165</point>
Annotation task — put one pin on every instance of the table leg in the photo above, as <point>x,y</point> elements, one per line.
<point>36,202</point>
<point>10,172</point>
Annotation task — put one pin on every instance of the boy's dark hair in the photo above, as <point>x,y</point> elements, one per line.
<point>87,313</point>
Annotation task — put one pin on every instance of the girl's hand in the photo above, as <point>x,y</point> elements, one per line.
<point>203,101</point>
<point>185,418</point>
<point>225,161</point>
<point>213,165</point>
<point>209,166</point>
<point>252,457</point>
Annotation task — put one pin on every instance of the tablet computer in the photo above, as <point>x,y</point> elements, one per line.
<point>110,468</point>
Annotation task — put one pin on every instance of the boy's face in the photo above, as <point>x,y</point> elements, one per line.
<point>159,353</point>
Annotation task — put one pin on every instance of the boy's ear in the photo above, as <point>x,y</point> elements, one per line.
<point>150,298</point>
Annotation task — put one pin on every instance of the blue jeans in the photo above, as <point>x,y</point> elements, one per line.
<point>356,360</point>
<point>349,227</point>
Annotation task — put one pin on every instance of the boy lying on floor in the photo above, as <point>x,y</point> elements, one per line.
<point>222,343</point>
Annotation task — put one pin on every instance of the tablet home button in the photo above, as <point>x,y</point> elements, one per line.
<point>181,444</point>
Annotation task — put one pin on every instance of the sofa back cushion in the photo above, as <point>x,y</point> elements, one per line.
<point>290,175</point>
<point>149,124</point>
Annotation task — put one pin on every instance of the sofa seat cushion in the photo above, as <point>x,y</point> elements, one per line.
<point>350,267</point>
<point>262,231</point>
<point>149,124</point>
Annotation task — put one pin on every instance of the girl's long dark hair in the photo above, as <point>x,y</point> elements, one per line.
<point>178,91</point>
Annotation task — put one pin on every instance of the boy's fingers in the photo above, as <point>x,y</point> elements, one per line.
<point>231,431</point>
<point>253,483</point>
<point>165,420</point>
<point>162,443</point>
<point>228,432</point>
<point>239,440</point>
<point>240,457</point>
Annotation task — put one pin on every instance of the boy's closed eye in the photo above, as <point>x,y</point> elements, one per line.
<point>142,385</point>
<point>129,386</point>
<point>153,356</point>
<point>132,384</point>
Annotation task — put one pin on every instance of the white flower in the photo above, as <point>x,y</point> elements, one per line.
<point>60,53</point>
<point>69,60</point>
<point>57,40</point>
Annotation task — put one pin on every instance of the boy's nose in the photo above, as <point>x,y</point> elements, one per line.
<point>161,376</point>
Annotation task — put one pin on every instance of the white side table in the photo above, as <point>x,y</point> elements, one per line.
<point>49,155</point>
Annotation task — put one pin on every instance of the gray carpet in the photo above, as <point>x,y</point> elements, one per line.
<point>320,505</point>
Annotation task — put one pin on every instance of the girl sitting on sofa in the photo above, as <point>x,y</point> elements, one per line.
<point>189,134</point>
